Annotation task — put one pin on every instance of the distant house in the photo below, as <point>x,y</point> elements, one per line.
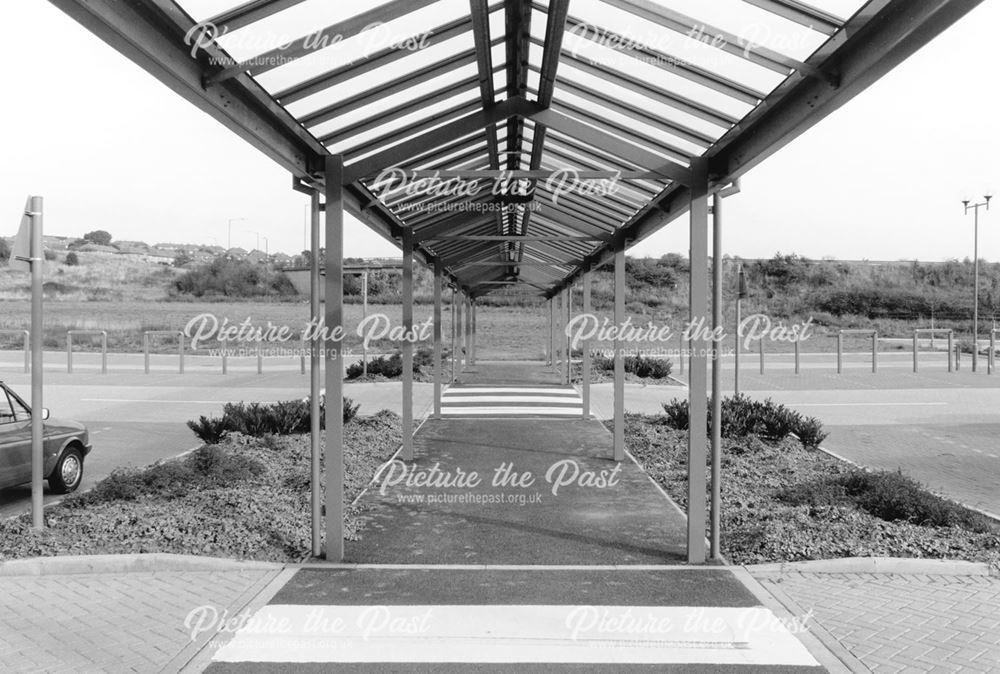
<point>281,259</point>
<point>256,256</point>
<point>236,253</point>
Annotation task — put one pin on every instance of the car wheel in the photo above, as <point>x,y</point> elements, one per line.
<point>68,473</point>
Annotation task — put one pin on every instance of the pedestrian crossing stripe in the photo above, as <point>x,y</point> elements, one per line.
<point>515,634</point>
<point>511,401</point>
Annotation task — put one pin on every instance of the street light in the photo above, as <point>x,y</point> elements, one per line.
<point>229,241</point>
<point>975,264</point>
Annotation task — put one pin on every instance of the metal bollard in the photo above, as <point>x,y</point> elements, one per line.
<point>840,352</point>
<point>914,351</point>
<point>796,356</point>
<point>950,340</point>
<point>874,352</point>
<point>27,346</point>
<point>761,343</point>
<point>260,360</point>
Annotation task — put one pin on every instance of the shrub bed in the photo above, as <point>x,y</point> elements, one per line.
<point>260,419</point>
<point>391,367</point>
<point>785,502</point>
<point>645,369</point>
<point>743,416</point>
<point>246,498</point>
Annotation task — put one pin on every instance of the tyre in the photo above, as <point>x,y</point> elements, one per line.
<point>68,473</point>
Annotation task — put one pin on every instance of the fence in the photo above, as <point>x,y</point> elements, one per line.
<point>27,346</point>
<point>180,346</point>
<point>840,347</point>
<point>932,332</point>
<point>69,348</point>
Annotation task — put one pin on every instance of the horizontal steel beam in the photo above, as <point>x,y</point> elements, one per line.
<point>515,237</point>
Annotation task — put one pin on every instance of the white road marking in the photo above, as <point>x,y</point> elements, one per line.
<point>516,633</point>
<point>462,390</point>
<point>863,404</point>
<point>507,399</point>
<point>460,411</point>
<point>164,402</point>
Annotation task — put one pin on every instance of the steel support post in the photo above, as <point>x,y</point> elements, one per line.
<point>459,330</point>
<point>567,368</point>
<point>364,315</point>
<point>468,331</point>
<point>716,505</point>
<point>475,336</point>
<point>37,403</point>
<point>315,373</point>
<point>438,273</point>
<point>333,321</point>
<point>557,341</point>
<point>454,353</point>
<point>739,347</point>
<point>585,374</point>
<point>552,331</point>
<point>407,345</point>
<point>698,375</point>
<point>619,356</point>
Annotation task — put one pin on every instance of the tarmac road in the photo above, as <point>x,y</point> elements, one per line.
<point>136,419</point>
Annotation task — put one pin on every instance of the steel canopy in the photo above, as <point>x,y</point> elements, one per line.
<point>630,92</point>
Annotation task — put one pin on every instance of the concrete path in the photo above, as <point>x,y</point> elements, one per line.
<point>514,543</point>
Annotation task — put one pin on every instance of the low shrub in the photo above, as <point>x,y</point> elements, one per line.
<point>742,416</point>
<point>890,496</point>
<point>391,366</point>
<point>639,365</point>
<point>208,467</point>
<point>262,419</point>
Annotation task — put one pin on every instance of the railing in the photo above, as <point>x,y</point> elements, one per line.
<point>69,348</point>
<point>932,332</point>
<point>180,345</point>
<point>840,347</point>
<point>27,347</point>
<point>991,361</point>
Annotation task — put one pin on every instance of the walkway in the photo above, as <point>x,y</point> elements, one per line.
<point>514,538</point>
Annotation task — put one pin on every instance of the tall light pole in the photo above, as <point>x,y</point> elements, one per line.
<point>975,264</point>
<point>229,240</point>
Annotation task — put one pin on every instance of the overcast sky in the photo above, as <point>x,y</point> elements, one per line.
<point>109,147</point>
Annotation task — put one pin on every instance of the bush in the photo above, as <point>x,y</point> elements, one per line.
<point>4,250</point>
<point>743,416</point>
<point>391,367</point>
<point>210,466</point>
<point>210,430</point>
<point>233,278</point>
<point>98,236</point>
<point>890,496</point>
<point>641,366</point>
<point>262,419</point>
<point>71,259</point>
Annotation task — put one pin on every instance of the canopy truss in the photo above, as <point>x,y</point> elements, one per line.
<point>629,92</point>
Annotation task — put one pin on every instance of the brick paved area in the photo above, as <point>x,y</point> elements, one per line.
<point>903,623</point>
<point>129,622</point>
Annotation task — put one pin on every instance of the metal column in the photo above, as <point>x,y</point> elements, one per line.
<point>37,264</point>
<point>472,339</point>
<point>407,345</point>
<point>569,351</point>
<point>315,372</point>
<point>333,322</point>
<point>454,353</point>
<point>698,375</point>
<point>585,374</point>
<point>460,346</point>
<point>468,331</point>
<point>552,332</point>
<point>556,341</point>
<point>716,513</point>
<point>438,272</point>
<point>364,315</point>
<point>619,396</point>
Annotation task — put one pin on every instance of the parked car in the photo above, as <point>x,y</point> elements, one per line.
<point>64,443</point>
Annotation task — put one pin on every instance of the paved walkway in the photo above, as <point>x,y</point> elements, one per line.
<point>584,577</point>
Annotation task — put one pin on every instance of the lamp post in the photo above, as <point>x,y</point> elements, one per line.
<point>975,265</point>
<point>229,240</point>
